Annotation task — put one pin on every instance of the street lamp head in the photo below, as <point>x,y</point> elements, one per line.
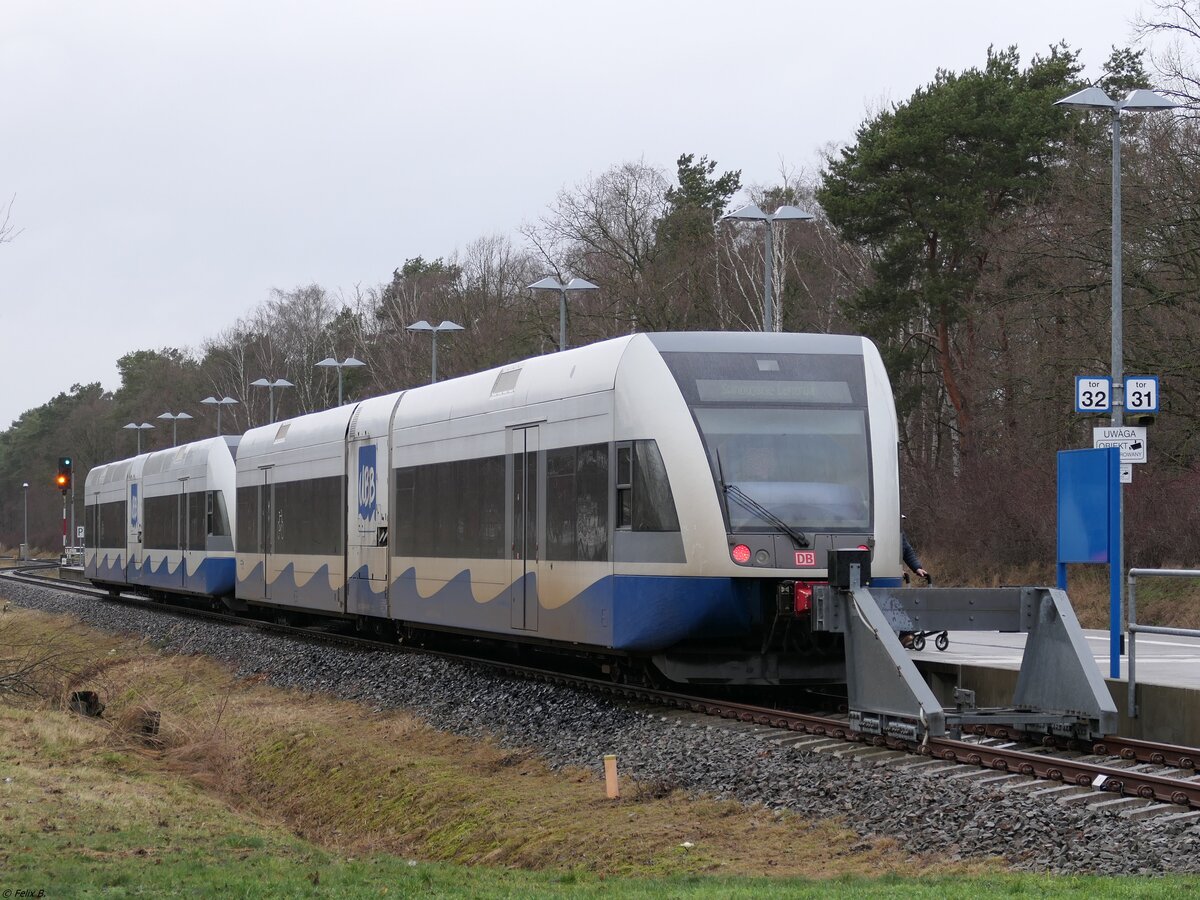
<point>793,213</point>
<point>222,402</point>
<point>280,383</point>
<point>351,362</point>
<point>261,382</point>
<point>1143,100</point>
<point>753,213</point>
<point>549,283</point>
<point>1140,100</point>
<point>750,212</point>
<point>446,325</point>
<point>1088,98</point>
<point>139,427</point>
<point>328,362</point>
<point>579,284</point>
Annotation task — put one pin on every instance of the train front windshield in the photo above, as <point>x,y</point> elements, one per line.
<point>790,431</point>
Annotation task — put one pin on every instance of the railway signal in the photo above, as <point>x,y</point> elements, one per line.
<point>63,479</point>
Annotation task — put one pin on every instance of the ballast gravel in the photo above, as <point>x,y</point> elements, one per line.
<point>926,813</point>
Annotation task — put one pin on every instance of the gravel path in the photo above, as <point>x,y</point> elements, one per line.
<point>925,813</point>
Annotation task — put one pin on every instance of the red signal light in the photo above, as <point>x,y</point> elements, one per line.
<point>740,554</point>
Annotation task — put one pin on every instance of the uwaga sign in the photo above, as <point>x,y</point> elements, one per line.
<point>1130,439</point>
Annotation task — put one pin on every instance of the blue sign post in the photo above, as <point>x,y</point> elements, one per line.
<point>1089,525</point>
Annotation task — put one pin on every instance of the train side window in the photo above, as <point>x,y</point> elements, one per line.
<point>644,498</point>
<point>218,515</point>
<point>653,503</point>
<point>624,485</point>
<point>577,503</point>
<point>248,513</point>
<point>197,522</point>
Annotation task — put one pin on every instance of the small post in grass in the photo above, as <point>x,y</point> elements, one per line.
<point>611,787</point>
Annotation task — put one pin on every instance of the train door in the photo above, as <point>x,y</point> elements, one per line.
<point>183,518</point>
<point>524,527</point>
<point>266,527</point>
<point>133,530</point>
<point>367,528</point>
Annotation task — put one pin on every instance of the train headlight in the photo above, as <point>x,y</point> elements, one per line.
<point>740,554</point>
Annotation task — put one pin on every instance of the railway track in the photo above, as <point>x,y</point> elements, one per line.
<point>1140,779</point>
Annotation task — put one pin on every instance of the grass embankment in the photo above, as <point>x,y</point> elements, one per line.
<point>247,790</point>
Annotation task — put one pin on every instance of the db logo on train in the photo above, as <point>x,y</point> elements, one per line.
<point>366,482</point>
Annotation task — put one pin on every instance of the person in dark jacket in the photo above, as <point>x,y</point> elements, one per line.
<point>911,559</point>
<point>909,553</point>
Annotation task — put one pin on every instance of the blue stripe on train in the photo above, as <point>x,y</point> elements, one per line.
<point>215,575</point>
<point>623,612</point>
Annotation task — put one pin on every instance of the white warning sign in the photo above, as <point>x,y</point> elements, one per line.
<point>1130,438</point>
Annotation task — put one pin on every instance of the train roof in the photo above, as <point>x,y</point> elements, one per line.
<point>325,427</point>
<point>187,460</point>
<point>526,383</point>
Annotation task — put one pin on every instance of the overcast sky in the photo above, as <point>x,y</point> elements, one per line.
<point>173,162</point>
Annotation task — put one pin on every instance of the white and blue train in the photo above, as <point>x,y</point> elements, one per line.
<point>665,498</point>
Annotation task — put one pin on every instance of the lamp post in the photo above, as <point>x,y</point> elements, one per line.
<point>270,386</point>
<point>550,283</point>
<point>224,401</point>
<point>139,429</point>
<point>752,213</point>
<point>1093,98</point>
<point>25,546</point>
<point>174,417</point>
<point>331,363</point>
<point>433,330</point>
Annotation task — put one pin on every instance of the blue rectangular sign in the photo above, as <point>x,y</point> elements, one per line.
<point>1089,526</point>
<point>1085,503</point>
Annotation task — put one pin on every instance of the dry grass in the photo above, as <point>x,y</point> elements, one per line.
<point>355,781</point>
<point>1160,601</point>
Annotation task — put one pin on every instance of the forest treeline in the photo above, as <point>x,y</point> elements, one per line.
<point>966,230</point>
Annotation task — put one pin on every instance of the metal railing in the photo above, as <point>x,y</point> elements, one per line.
<point>1135,629</point>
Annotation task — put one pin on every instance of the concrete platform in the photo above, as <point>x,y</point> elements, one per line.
<point>71,573</point>
<point>1168,678</point>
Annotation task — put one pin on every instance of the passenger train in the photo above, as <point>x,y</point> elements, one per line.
<point>655,500</point>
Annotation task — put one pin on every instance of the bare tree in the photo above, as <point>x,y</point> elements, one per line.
<point>8,230</point>
<point>1177,22</point>
<point>605,229</point>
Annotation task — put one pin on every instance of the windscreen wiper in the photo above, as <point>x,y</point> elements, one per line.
<point>736,493</point>
<point>748,502</point>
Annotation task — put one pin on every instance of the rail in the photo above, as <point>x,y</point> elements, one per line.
<point>1135,629</point>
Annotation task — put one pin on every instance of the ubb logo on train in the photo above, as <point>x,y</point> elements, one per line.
<point>133,505</point>
<point>366,481</point>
